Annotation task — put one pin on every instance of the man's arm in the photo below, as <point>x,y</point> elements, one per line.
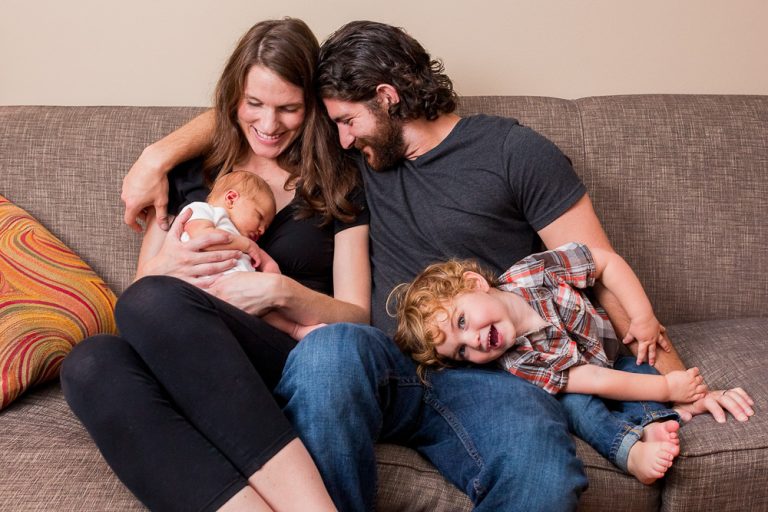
<point>146,184</point>
<point>580,224</point>
<point>664,361</point>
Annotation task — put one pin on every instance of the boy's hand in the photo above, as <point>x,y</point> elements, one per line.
<point>685,386</point>
<point>647,332</point>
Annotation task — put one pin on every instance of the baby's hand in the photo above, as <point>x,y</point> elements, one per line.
<point>647,332</point>
<point>685,386</point>
<point>254,252</point>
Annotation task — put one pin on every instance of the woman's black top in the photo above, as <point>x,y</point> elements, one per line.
<point>302,248</point>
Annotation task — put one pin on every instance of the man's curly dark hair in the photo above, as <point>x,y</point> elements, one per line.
<point>361,55</point>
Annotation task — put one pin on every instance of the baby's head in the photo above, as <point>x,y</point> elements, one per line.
<point>429,322</point>
<point>248,200</point>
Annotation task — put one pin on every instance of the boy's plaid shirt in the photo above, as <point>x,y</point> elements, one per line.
<point>552,283</point>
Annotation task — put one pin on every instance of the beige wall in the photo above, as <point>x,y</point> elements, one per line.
<point>169,52</point>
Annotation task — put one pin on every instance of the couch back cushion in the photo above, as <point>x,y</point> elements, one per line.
<point>65,166</point>
<point>679,183</point>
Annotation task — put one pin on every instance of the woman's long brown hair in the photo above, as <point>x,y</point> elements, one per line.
<point>323,172</point>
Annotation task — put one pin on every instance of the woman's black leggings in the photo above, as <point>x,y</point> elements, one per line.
<point>181,404</point>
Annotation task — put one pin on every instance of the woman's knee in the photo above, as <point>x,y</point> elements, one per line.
<point>89,367</point>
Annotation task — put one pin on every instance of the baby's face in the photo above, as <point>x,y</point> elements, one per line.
<point>252,215</point>
<point>477,328</point>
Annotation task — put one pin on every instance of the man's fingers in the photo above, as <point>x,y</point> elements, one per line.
<point>715,410</point>
<point>743,394</point>
<point>736,404</point>
<point>161,215</point>
<point>130,218</point>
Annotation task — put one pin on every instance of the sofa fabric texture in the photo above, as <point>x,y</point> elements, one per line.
<point>679,183</point>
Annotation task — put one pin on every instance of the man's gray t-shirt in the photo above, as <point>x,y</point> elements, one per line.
<point>482,193</point>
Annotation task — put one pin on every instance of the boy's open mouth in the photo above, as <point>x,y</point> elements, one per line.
<point>493,337</point>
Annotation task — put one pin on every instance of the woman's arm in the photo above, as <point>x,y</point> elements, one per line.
<point>163,253</point>
<point>259,292</point>
<point>679,386</point>
<point>146,184</point>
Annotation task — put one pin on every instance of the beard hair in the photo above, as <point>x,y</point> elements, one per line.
<point>386,144</point>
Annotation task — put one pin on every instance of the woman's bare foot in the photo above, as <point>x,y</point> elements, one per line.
<point>661,431</point>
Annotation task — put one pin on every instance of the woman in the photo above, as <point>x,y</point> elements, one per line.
<point>181,404</point>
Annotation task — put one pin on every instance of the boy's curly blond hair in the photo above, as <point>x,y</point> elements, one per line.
<point>419,304</point>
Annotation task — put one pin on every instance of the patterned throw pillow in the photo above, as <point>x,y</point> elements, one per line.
<point>50,300</point>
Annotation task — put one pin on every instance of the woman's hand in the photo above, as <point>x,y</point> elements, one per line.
<point>145,186</point>
<point>254,292</point>
<point>735,400</point>
<point>189,261</point>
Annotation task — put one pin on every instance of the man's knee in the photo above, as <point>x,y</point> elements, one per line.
<point>336,348</point>
<point>333,364</point>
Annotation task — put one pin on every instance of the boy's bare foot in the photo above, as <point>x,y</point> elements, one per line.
<point>649,460</point>
<point>661,431</point>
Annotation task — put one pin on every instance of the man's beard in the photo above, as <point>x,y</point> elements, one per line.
<point>385,147</point>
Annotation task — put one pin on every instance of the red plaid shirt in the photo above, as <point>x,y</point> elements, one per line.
<point>552,283</point>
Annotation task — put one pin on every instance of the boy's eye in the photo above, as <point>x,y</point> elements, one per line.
<point>461,352</point>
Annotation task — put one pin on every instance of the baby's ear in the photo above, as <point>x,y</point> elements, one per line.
<point>230,196</point>
<point>476,281</point>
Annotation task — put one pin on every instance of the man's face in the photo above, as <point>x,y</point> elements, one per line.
<point>370,130</point>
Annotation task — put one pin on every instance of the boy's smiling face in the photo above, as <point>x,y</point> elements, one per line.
<point>476,325</point>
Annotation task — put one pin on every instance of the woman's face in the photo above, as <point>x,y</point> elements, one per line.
<point>270,113</point>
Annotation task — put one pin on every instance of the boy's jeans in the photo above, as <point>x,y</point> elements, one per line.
<point>501,440</point>
<point>612,427</point>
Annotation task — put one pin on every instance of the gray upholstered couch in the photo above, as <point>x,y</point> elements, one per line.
<point>680,183</point>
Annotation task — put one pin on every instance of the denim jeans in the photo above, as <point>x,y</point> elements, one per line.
<point>613,427</point>
<point>498,438</point>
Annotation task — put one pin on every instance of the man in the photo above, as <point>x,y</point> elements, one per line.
<point>437,186</point>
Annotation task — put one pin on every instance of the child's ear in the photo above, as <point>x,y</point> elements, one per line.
<point>230,196</point>
<point>476,281</point>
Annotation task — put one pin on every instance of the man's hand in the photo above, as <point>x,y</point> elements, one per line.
<point>735,400</point>
<point>145,186</point>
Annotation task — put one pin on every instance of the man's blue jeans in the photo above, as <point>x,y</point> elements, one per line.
<point>613,427</point>
<point>498,438</point>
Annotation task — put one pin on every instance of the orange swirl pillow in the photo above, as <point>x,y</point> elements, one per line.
<point>50,300</point>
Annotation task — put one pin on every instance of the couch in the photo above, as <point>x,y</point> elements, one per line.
<point>680,183</point>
